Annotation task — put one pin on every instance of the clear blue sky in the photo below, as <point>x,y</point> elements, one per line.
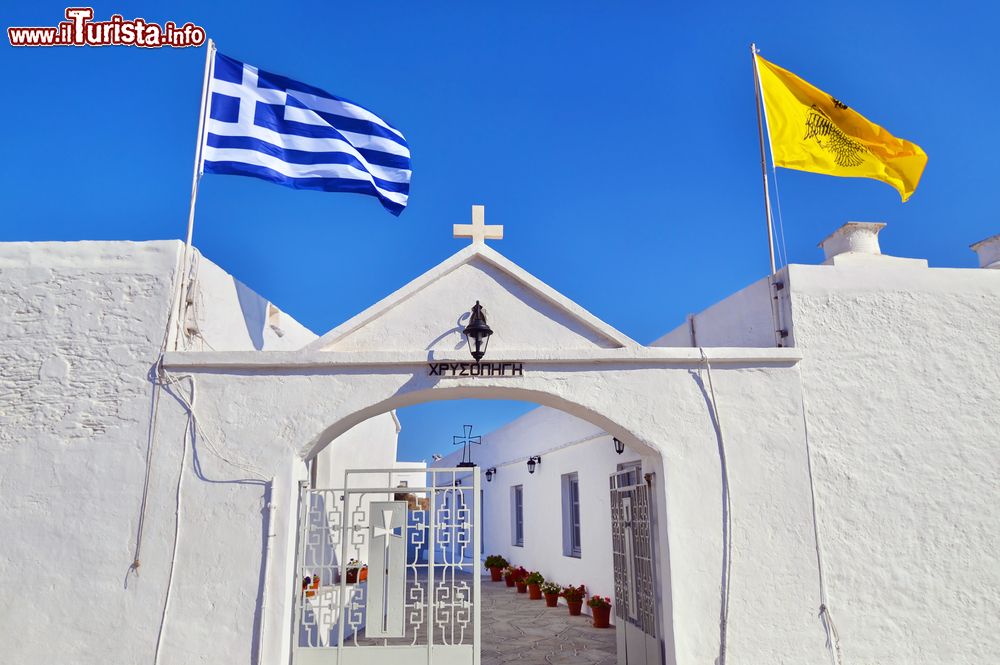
<point>616,142</point>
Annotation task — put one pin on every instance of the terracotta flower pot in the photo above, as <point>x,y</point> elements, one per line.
<point>534,592</point>
<point>522,587</point>
<point>551,600</point>
<point>574,607</point>
<point>495,574</point>
<point>509,580</point>
<point>602,616</point>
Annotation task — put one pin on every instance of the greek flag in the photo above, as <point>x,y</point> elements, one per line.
<point>271,127</point>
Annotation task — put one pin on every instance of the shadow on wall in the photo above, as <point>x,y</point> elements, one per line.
<point>254,313</point>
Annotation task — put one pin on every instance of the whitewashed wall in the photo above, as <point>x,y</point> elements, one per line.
<point>75,307</point>
<point>901,377</point>
<point>567,445</point>
<point>228,316</point>
<point>901,374</point>
<point>84,328</point>
<point>81,328</point>
<point>370,444</point>
<point>744,318</point>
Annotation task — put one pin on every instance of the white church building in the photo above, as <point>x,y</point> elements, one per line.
<point>808,470</point>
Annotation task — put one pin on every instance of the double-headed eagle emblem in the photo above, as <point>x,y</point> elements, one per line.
<point>846,151</point>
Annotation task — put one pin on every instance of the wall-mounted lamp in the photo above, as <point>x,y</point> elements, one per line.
<point>477,333</point>
<point>619,446</point>
<point>490,472</point>
<point>532,461</point>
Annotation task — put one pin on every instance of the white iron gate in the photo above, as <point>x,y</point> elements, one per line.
<point>389,574</point>
<point>636,624</point>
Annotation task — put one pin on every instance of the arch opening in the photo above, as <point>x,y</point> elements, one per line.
<point>542,500</point>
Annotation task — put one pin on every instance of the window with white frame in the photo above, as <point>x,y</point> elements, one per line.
<point>629,473</point>
<point>571,515</point>
<point>517,515</point>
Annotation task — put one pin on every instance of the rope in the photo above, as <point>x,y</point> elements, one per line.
<point>154,374</point>
<point>150,439</point>
<point>781,223</point>
<point>727,519</point>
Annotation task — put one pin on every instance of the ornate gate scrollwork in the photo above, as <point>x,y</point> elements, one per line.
<point>636,624</point>
<point>388,574</point>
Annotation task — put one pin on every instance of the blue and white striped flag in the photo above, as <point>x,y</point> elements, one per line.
<point>271,127</point>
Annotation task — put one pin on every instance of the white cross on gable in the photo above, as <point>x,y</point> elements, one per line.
<point>478,230</point>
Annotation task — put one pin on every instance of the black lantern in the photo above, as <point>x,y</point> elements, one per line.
<point>619,446</point>
<point>490,472</point>
<point>477,333</point>
<point>532,461</point>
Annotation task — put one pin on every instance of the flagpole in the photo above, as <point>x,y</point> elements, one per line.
<point>195,179</point>
<point>763,158</point>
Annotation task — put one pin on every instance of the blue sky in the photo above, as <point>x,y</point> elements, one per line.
<point>616,142</point>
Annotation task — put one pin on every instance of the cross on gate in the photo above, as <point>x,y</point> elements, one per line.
<point>466,440</point>
<point>478,230</point>
<point>386,531</point>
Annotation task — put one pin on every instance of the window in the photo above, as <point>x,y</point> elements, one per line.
<point>571,514</point>
<point>630,473</point>
<point>517,515</point>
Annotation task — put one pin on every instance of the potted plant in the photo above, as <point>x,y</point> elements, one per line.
<point>496,563</point>
<point>574,598</point>
<point>521,579</point>
<point>600,607</point>
<point>534,581</point>
<point>508,575</point>
<point>310,584</point>
<point>356,571</point>
<point>551,592</point>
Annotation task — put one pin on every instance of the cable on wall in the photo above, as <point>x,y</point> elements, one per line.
<point>168,382</point>
<point>178,504</point>
<point>727,517</point>
<point>832,636</point>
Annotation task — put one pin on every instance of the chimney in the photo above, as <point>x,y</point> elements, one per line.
<point>854,238</point>
<point>988,251</point>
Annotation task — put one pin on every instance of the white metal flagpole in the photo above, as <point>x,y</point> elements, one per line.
<point>763,158</point>
<point>195,178</point>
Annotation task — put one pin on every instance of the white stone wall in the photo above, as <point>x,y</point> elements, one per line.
<point>901,374</point>
<point>744,318</point>
<point>566,445</point>
<point>74,503</point>
<point>82,326</point>
<point>660,409</point>
<point>228,316</point>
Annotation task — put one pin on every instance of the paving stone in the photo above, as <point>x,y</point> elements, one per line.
<point>519,630</point>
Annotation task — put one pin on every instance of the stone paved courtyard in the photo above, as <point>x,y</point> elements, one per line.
<point>518,630</point>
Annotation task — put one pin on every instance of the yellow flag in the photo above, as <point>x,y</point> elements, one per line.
<point>812,131</point>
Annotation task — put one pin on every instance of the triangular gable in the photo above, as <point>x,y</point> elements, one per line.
<point>429,313</point>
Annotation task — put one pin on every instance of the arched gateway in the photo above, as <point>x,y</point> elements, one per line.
<point>409,348</point>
